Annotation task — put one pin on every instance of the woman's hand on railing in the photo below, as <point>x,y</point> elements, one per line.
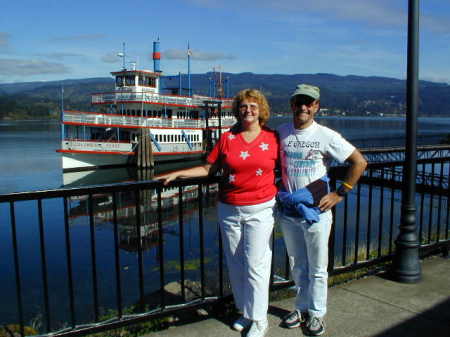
<point>193,172</point>
<point>167,178</point>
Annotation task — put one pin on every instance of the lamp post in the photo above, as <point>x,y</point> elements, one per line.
<point>406,266</point>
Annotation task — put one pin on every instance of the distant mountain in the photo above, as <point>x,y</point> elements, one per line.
<point>352,95</point>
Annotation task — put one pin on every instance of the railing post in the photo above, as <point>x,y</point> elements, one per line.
<point>406,266</point>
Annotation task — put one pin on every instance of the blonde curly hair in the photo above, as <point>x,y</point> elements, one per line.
<point>256,96</point>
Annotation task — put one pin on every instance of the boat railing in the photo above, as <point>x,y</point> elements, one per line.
<point>180,147</point>
<point>75,117</point>
<point>147,97</point>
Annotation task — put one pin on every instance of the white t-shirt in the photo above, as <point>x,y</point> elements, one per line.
<point>306,154</point>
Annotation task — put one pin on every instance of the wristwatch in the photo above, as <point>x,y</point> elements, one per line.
<point>342,191</point>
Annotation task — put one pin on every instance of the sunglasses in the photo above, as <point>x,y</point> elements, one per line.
<point>300,100</point>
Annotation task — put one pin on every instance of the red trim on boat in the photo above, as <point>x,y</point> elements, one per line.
<point>95,152</point>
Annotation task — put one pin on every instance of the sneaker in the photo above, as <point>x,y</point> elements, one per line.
<point>293,320</point>
<point>316,326</point>
<point>258,328</point>
<point>241,324</point>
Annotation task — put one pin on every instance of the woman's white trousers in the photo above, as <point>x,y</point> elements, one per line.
<point>247,233</point>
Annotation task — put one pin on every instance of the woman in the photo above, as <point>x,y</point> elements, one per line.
<point>247,156</point>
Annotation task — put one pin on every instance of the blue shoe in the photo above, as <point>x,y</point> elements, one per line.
<point>241,324</point>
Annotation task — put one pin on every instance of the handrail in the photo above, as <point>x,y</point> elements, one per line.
<point>139,213</point>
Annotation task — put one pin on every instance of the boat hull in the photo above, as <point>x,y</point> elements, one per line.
<point>73,161</point>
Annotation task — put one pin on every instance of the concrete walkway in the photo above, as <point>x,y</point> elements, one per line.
<point>372,306</point>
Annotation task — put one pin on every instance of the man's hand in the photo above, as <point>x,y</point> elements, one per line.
<point>329,201</point>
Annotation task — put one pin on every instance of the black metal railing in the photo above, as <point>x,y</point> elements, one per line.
<point>82,260</point>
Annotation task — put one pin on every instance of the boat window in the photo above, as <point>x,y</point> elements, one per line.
<point>146,81</point>
<point>129,80</point>
<point>119,81</point>
<point>165,138</point>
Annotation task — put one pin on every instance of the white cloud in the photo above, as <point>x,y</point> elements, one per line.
<point>16,67</point>
<point>111,58</point>
<point>208,3</point>
<point>378,14</point>
<point>440,78</point>
<point>81,37</point>
<point>59,55</point>
<point>179,54</point>
<point>4,42</point>
<point>4,39</point>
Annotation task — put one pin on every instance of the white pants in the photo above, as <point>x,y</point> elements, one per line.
<point>307,247</point>
<point>247,233</point>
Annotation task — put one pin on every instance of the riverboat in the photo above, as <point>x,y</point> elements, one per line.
<point>143,122</point>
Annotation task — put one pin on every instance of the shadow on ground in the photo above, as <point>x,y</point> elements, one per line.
<point>433,322</point>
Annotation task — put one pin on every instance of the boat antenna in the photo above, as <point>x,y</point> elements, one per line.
<point>62,112</point>
<point>122,55</point>
<point>189,53</point>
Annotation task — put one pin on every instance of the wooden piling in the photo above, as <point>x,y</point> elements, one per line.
<point>144,150</point>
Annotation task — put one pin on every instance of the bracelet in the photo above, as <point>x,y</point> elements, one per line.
<point>341,191</point>
<point>350,187</point>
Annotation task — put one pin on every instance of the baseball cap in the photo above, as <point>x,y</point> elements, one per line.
<point>307,90</point>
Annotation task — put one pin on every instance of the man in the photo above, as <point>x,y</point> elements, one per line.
<point>306,150</point>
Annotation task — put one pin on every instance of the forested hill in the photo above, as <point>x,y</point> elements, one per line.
<point>352,95</point>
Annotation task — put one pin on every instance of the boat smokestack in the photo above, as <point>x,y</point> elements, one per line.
<point>156,57</point>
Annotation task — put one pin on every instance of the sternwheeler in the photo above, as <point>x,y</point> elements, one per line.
<point>143,122</point>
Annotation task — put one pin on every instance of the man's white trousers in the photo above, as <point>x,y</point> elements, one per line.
<point>247,233</point>
<point>307,247</point>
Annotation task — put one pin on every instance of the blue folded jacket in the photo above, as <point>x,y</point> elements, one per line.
<point>304,202</point>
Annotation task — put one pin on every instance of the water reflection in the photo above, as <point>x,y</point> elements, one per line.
<point>158,239</point>
<point>122,174</point>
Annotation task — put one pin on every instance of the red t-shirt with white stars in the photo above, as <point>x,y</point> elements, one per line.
<point>248,168</point>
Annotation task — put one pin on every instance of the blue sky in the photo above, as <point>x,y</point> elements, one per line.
<point>53,40</point>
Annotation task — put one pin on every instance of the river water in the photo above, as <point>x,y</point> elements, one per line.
<point>29,162</point>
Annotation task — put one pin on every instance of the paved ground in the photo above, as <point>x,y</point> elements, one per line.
<point>373,306</point>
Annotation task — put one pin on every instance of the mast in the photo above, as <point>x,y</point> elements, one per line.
<point>122,55</point>
<point>189,53</point>
<point>62,113</point>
